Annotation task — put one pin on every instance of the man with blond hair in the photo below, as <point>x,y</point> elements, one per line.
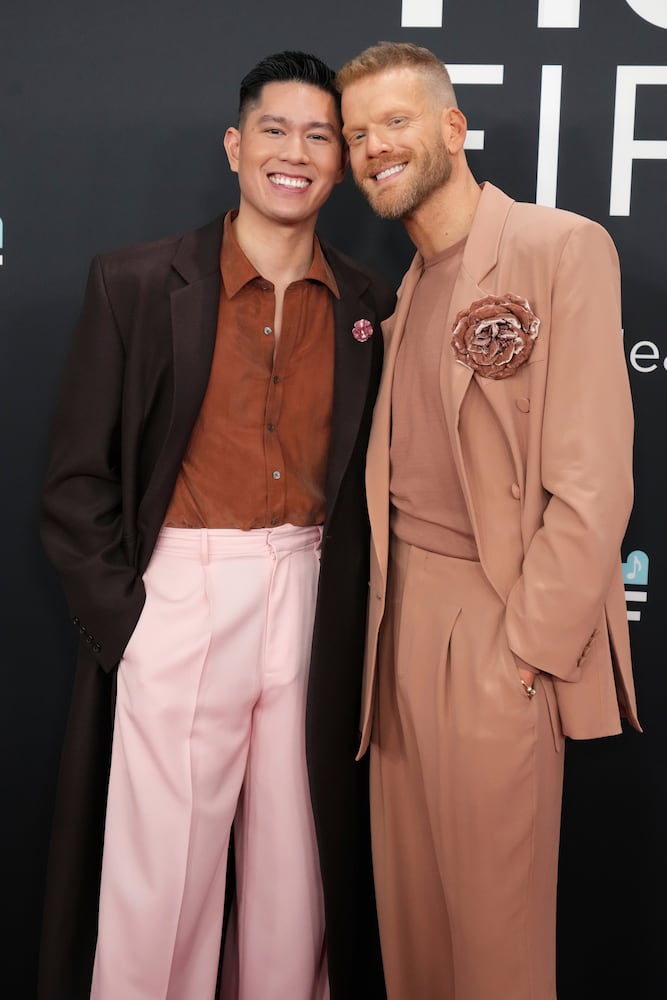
<point>499,482</point>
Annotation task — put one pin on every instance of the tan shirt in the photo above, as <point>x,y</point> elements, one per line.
<point>257,455</point>
<point>427,505</point>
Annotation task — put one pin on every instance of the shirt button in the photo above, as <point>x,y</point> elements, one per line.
<point>276,379</point>
<point>276,474</point>
<point>274,520</point>
<point>268,331</point>
<point>271,427</point>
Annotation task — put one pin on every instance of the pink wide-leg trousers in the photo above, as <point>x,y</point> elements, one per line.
<point>209,731</point>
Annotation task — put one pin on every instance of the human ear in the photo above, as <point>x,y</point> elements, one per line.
<point>232,144</point>
<point>454,129</point>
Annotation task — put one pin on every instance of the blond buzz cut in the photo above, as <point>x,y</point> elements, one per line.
<point>387,56</point>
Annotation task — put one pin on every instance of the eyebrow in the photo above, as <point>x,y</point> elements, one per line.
<point>282,120</point>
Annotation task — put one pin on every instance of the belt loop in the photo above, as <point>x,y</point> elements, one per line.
<point>204,546</point>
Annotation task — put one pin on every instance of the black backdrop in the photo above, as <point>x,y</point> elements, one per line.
<point>112,117</point>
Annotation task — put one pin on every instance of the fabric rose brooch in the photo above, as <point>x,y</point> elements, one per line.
<point>495,335</point>
<point>362,330</point>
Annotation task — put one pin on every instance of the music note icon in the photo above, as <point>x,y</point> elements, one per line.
<point>635,569</point>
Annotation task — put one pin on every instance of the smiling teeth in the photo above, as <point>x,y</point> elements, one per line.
<point>292,182</point>
<point>389,171</point>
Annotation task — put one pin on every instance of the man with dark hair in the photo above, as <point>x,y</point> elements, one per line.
<point>499,483</point>
<point>204,505</point>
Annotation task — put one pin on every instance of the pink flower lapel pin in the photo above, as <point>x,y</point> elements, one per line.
<point>362,330</point>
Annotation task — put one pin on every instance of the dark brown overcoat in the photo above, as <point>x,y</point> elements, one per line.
<point>133,386</point>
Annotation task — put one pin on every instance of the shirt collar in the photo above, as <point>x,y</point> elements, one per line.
<point>237,271</point>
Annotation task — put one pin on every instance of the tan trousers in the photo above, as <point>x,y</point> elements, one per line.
<point>466,781</point>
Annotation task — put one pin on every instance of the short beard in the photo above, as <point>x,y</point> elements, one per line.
<point>435,170</point>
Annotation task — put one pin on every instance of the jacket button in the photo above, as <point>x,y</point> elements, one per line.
<point>523,404</point>
<point>516,491</point>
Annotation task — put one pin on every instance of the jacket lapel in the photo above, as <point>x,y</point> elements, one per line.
<point>194,312</point>
<point>194,320</point>
<point>353,363</point>
<point>480,257</point>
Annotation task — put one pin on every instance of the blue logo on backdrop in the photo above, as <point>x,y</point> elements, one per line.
<point>635,574</point>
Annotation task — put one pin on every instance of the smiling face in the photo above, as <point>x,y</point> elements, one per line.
<point>288,154</point>
<point>393,124</point>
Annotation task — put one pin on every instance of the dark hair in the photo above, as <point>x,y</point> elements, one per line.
<point>286,67</point>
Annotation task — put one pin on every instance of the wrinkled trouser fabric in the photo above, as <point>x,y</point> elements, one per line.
<point>209,730</point>
<point>466,782</point>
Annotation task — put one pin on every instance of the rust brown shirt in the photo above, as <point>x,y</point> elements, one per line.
<point>257,455</point>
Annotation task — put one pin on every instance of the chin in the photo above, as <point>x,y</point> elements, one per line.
<point>386,209</point>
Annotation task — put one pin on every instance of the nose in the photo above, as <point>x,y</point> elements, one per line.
<point>294,149</point>
<point>377,142</point>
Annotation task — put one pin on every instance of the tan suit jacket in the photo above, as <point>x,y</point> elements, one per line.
<point>544,457</point>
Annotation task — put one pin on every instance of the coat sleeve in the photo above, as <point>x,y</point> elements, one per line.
<point>81,509</point>
<point>556,605</point>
